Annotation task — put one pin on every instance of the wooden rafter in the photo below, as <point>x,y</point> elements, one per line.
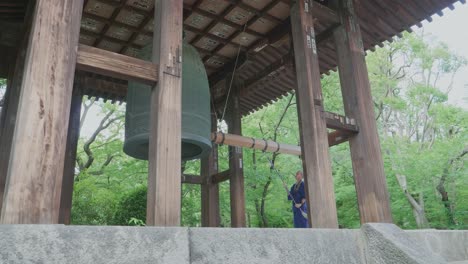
<point>379,20</point>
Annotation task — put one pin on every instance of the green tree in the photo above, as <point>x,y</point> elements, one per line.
<point>417,125</point>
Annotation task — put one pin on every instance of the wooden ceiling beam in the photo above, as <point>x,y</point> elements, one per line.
<point>111,39</point>
<point>202,33</point>
<point>275,35</point>
<point>224,21</point>
<point>135,34</point>
<point>260,13</point>
<point>116,23</point>
<point>96,86</point>
<point>287,59</point>
<point>212,24</point>
<point>321,12</point>
<point>250,22</point>
<point>107,26</point>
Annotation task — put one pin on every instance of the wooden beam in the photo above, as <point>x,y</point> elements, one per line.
<point>32,193</point>
<point>250,85</point>
<point>233,118</point>
<point>227,69</point>
<point>116,65</point>
<point>164,185</point>
<point>319,11</point>
<point>10,106</point>
<point>191,179</point>
<point>225,21</point>
<point>371,187</point>
<point>338,137</point>
<point>8,115</point>
<point>221,176</point>
<point>70,156</point>
<point>10,59</point>
<point>334,138</point>
<point>323,13</point>
<point>7,62</point>
<point>260,144</point>
<point>339,122</point>
<point>275,35</point>
<point>312,124</point>
<point>210,190</point>
<point>96,85</point>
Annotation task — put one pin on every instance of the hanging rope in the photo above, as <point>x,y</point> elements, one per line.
<point>232,77</point>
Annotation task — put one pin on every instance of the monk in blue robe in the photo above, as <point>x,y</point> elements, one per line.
<point>299,206</point>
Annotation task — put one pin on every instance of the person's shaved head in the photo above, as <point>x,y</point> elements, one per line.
<point>299,176</point>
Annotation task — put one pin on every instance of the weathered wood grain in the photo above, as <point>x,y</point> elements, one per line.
<point>210,190</point>
<point>116,65</point>
<point>7,118</point>
<point>233,119</point>
<point>10,108</point>
<point>164,185</point>
<point>70,156</point>
<point>192,179</point>
<point>34,177</point>
<point>366,156</point>
<point>316,162</point>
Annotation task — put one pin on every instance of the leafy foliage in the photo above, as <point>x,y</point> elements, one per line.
<point>131,209</point>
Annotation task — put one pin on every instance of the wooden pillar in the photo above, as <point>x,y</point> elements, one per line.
<point>7,124</point>
<point>210,191</point>
<point>234,121</point>
<point>70,155</point>
<point>314,139</point>
<point>12,96</point>
<point>366,155</point>
<point>164,179</point>
<point>34,177</point>
<point>10,60</point>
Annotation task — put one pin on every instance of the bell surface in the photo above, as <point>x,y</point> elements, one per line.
<point>196,119</point>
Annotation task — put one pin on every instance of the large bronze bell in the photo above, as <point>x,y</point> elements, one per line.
<point>196,121</point>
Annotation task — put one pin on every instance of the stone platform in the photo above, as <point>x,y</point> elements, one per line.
<point>373,243</point>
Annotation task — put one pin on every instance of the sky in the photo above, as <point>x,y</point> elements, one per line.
<point>452,29</point>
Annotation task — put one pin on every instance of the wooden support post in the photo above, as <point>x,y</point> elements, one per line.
<point>70,156</point>
<point>164,179</point>
<point>7,122</point>
<point>367,161</point>
<point>234,122</point>
<point>10,61</point>
<point>10,107</point>
<point>209,190</point>
<point>34,177</point>
<point>315,159</point>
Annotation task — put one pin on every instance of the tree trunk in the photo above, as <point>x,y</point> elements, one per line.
<point>262,204</point>
<point>444,194</point>
<point>416,206</point>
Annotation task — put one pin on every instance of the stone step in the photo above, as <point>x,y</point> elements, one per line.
<point>372,244</point>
